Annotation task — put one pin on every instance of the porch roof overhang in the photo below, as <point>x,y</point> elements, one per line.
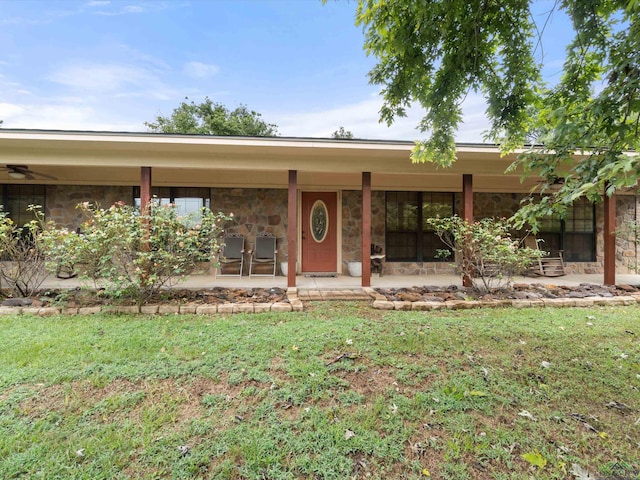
<point>194,160</point>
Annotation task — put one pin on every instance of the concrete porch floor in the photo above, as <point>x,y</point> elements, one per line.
<point>342,282</point>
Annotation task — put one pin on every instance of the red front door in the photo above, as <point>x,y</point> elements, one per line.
<point>319,232</point>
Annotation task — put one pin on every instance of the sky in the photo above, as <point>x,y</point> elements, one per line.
<point>111,65</point>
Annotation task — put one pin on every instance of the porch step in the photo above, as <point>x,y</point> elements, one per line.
<point>307,295</point>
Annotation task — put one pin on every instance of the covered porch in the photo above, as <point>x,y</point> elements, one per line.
<point>275,184</point>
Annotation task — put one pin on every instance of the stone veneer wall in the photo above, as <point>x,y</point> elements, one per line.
<point>506,204</point>
<point>255,210</point>
<point>627,252</point>
<point>61,201</point>
<point>265,210</point>
<point>352,224</point>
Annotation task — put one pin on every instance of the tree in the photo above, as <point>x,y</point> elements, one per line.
<point>434,52</point>
<point>212,118</point>
<point>341,133</point>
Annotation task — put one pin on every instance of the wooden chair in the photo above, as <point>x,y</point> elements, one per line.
<point>547,266</point>
<point>231,258</point>
<point>264,256</point>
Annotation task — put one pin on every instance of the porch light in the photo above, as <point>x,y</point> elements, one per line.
<point>17,175</point>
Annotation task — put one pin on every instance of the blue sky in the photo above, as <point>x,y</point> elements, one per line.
<point>111,65</point>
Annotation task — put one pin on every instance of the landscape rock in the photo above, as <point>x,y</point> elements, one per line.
<point>17,302</point>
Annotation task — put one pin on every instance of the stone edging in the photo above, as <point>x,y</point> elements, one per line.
<point>208,309</point>
<point>294,304</point>
<point>380,302</point>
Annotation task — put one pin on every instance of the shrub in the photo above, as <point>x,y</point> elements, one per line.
<point>23,263</point>
<point>484,249</point>
<point>132,255</point>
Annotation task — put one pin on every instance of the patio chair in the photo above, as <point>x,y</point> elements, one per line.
<point>231,258</point>
<point>547,266</point>
<point>263,256</point>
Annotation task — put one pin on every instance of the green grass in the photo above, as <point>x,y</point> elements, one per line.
<point>338,391</point>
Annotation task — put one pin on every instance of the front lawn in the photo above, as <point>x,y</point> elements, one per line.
<point>338,391</point>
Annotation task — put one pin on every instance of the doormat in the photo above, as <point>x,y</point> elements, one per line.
<point>321,275</point>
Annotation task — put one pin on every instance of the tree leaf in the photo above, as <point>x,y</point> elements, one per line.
<point>535,458</point>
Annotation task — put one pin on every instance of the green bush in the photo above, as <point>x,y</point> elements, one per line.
<point>484,249</point>
<point>131,255</point>
<point>22,269</point>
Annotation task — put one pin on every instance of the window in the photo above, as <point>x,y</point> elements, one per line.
<point>574,235</point>
<point>188,200</point>
<point>408,239</point>
<point>17,198</point>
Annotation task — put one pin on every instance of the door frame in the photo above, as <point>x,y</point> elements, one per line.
<point>338,226</point>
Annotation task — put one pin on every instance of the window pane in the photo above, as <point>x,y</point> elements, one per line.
<point>550,242</point>
<point>402,226</point>
<point>579,247</point>
<point>580,218</point>
<point>407,238</point>
<point>434,205</point>
<point>579,238</point>
<point>18,199</point>
<point>431,244</point>
<point>188,200</point>
<point>401,246</point>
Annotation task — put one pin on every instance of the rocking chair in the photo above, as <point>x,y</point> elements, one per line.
<point>547,266</point>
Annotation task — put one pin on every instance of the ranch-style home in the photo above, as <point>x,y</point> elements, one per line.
<point>326,201</point>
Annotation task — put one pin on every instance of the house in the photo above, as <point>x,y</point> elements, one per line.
<point>325,200</point>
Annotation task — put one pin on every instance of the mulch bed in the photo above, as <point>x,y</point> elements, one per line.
<point>520,291</point>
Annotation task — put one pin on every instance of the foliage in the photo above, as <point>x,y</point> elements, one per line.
<point>484,249</point>
<point>118,396</point>
<point>135,255</point>
<point>213,118</point>
<point>436,52</point>
<point>23,266</point>
<point>590,120</point>
<point>342,133</point>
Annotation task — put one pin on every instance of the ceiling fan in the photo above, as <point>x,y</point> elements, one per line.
<point>21,172</point>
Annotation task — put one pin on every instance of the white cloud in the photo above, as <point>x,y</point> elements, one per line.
<point>132,9</point>
<point>362,120</point>
<point>117,80</point>
<point>57,116</point>
<point>200,70</point>
<point>97,3</point>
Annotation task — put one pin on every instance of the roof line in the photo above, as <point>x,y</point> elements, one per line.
<point>275,139</point>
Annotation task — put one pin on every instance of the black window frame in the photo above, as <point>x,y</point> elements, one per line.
<point>23,216</point>
<point>174,192</point>
<point>391,237</point>
<point>565,239</point>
